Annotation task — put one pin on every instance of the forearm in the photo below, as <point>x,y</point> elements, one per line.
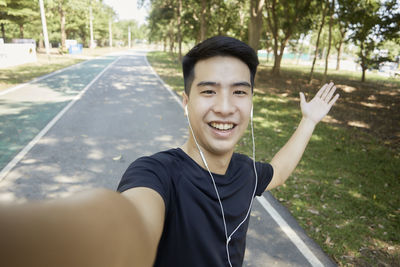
<point>93,229</point>
<point>286,160</point>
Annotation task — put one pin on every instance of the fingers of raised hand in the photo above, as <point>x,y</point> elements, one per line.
<point>321,91</point>
<point>333,100</point>
<point>328,91</point>
<point>302,97</point>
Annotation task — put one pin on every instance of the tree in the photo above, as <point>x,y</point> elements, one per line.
<point>178,15</point>
<point>3,20</point>
<point>340,29</point>
<point>324,8</point>
<point>256,20</point>
<point>20,12</point>
<point>331,11</point>
<point>203,24</point>
<point>160,18</point>
<point>371,23</point>
<point>285,18</point>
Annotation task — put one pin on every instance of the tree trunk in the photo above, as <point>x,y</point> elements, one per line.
<point>317,44</point>
<point>203,24</point>
<point>3,32</point>
<point>242,16</point>
<point>339,54</point>
<point>300,50</point>
<point>165,44</point>
<point>363,75</point>
<point>41,44</point>
<point>179,10</point>
<point>272,23</point>
<point>363,65</point>
<point>62,26</point>
<point>329,41</point>
<point>21,31</point>
<point>171,41</point>
<point>256,20</point>
<point>343,31</point>
<point>276,69</point>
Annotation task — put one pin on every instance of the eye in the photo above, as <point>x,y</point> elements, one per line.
<point>207,92</point>
<point>240,92</point>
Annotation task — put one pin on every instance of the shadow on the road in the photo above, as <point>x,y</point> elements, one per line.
<point>124,115</point>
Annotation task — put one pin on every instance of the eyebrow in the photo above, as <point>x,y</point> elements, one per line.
<point>242,84</point>
<point>206,83</point>
<point>209,83</point>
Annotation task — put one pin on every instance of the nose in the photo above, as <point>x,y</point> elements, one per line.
<point>224,104</point>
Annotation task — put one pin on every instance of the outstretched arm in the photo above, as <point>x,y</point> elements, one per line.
<point>98,228</point>
<point>286,160</point>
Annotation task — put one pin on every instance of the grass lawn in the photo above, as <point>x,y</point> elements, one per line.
<point>13,76</point>
<point>345,191</point>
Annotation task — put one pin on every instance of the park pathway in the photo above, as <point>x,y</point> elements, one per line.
<point>119,115</point>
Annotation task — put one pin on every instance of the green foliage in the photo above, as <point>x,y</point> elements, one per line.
<point>24,15</point>
<point>120,31</point>
<point>285,20</point>
<point>371,23</point>
<point>18,12</point>
<point>221,18</point>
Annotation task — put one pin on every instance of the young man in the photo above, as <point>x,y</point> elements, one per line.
<point>206,195</point>
<point>187,206</point>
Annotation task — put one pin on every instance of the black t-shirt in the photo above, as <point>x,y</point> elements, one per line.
<point>193,233</point>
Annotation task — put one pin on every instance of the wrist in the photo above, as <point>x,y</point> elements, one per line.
<point>308,123</point>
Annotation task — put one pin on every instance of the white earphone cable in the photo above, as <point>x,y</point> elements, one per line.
<point>228,238</point>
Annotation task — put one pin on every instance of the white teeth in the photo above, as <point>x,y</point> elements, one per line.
<point>222,126</point>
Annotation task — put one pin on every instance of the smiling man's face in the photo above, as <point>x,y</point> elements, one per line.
<point>219,104</point>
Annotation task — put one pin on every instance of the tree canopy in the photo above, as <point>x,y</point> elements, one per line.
<point>280,26</point>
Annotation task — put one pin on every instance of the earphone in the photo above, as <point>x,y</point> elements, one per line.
<point>228,237</point>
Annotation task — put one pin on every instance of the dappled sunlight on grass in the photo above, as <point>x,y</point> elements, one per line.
<point>359,124</point>
<point>346,88</point>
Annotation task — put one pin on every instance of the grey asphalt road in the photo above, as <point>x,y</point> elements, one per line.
<point>125,114</point>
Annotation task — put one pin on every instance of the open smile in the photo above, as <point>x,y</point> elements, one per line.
<point>221,126</point>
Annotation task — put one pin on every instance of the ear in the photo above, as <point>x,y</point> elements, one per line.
<point>185,100</point>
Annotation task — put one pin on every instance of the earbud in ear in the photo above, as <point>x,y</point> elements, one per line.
<point>186,111</point>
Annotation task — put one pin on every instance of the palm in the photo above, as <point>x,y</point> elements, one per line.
<point>320,105</point>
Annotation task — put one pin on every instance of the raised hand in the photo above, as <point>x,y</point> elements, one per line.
<point>319,106</point>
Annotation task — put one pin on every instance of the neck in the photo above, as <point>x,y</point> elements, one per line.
<point>218,163</point>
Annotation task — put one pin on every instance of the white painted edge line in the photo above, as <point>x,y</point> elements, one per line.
<point>302,247</point>
<point>33,142</point>
<point>9,90</point>
<point>163,83</point>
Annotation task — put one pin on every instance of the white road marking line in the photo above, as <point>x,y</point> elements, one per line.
<point>9,90</point>
<point>33,142</point>
<point>163,83</point>
<point>296,240</point>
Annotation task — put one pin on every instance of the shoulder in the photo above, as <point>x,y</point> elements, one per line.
<point>238,157</point>
<point>264,170</point>
<point>246,160</point>
<point>161,160</point>
<point>153,171</point>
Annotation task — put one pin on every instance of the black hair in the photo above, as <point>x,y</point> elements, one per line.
<point>218,46</point>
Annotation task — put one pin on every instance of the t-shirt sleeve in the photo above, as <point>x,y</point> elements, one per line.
<point>265,172</point>
<point>147,172</point>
